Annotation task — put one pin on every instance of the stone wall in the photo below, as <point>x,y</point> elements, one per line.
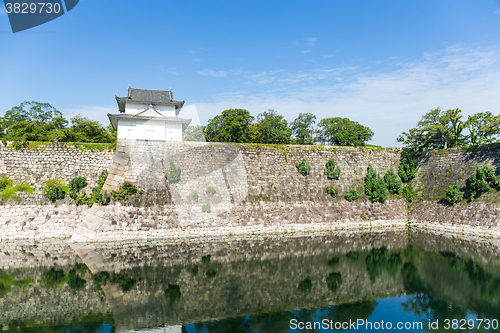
<point>49,161</point>
<point>115,222</point>
<point>258,188</point>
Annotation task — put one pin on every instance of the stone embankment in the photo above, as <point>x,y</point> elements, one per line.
<point>257,189</point>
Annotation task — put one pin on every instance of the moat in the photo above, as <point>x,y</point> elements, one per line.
<point>252,283</point>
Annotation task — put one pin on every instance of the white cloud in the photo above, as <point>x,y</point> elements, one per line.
<point>305,51</point>
<point>310,41</point>
<point>497,11</point>
<point>295,42</point>
<point>2,10</point>
<point>208,72</point>
<point>388,102</point>
<point>326,56</point>
<point>196,59</point>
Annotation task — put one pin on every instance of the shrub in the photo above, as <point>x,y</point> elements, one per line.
<point>173,174</point>
<point>303,167</point>
<point>172,293</point>
<point>330,171</point>
<point>210,191</point>
<point>126,190</point>
<point>352,195</point>
<point>194,195</point>
<point>453,194</point>
<point>408,193</point>
<point>75,185</point>
<point>407,166</point>
<point>483,181</point>
<point>5,182</point>
<point>375,186</point>
<point>55,189</point>
<point>332,190</point>
<point>333,281</point>
<point>392,182</point>
<point>205,208</point>
<point>102,179</point>
<point>9,190</point>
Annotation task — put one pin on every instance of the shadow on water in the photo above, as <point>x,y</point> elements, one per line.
<point>246,285</point>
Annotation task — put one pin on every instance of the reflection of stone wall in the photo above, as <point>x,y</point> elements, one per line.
<point>49,305</point>
<point>253,273</point>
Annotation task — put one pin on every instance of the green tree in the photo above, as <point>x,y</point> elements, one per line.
<point>437,129</point>
<point>194,133</point>
<point>84,129</point>
<point>272,128</point>
<point>31,121</point>
<point>375,186</point>
<point>392,182</point>
<point>231,126</point>
<point>343,132</point>
<point>303,128</point>
<point>483,128</point>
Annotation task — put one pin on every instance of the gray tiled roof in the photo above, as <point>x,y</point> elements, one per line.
<point>146,96</point>
<point>113,118</point>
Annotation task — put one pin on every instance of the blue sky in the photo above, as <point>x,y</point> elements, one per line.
<point>381,63</point>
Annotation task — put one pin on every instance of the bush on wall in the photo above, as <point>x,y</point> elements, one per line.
<point>352,195</point>
<point>173,174</point>
<point>75,185</point>
<point>55,189</point>
<point>407,168</point>
<point>303,167</point>
<point>332,190</point>
<point>9,190</point>
<point>331,171</point>
<point>482,181</point>
<point>453,194</point>
<point>375,186</point>
<point>126,190</point>
<point>392,182</point>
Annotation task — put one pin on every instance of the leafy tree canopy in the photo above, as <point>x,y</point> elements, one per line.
<point>445,129</point>
<point>344,132</point>
<point>303,128</point>
<point>193,133</point>
<point>483,128</point>
<point>34,121</point>
<point>272,128</point>
<point>231,126</point>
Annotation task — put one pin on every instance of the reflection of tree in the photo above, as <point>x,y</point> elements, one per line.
<point>280,321</point>
<point>380,260</point>
<point>87,323</point>
<point>354,311</point>
<point>333,281</point>
<point>411,278</point>
<point>422,302</point>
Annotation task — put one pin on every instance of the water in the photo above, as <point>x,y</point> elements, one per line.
<point>287,283</point>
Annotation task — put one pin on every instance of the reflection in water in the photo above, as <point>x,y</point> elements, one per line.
<point>247,285</point>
